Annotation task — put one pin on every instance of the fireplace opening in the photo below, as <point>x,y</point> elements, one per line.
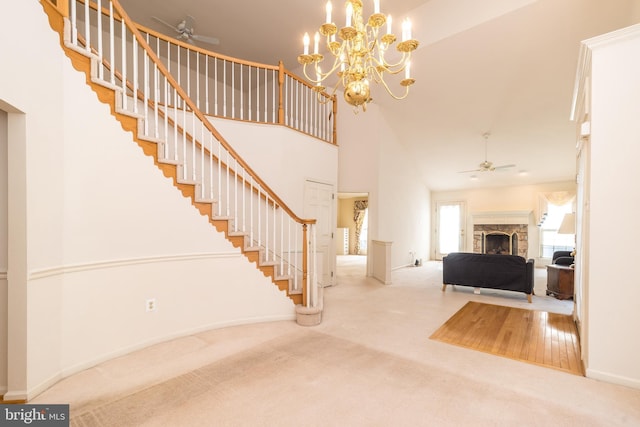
<point>510,239</point>
<point>500,243</point>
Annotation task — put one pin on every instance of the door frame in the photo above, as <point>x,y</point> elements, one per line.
<point>463,223</point>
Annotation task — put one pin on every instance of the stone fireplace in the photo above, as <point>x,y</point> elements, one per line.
<point>501,233</point>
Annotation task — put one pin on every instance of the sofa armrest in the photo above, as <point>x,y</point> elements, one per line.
<point>530,274</point>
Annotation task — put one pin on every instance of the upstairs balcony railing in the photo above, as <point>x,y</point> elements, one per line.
<point>231,88</point>
<point>171,98</point>
<point>227,87</point>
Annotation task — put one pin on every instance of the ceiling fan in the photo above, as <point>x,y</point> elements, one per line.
<point>185,30</point>
<point>487,166</point>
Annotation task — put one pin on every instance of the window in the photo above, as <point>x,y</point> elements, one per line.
<point>550,240</point>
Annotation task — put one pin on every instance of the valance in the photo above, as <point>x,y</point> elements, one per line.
<point>559,198</point>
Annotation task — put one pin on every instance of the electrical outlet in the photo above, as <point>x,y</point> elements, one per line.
<point>150,305</point>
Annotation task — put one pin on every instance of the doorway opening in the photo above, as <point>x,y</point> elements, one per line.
<point>352,235</point>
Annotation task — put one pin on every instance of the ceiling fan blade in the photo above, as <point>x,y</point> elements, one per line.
<point>505,167</point>
<point>205,39</point>
<point>166,23</point>
<point>472,170</point>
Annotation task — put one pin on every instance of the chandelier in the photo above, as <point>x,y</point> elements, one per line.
<point>361,55</point>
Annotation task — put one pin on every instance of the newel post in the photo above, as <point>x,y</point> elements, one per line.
<point>307,315</point>
<point>305,269</point>
<point>280,93</point>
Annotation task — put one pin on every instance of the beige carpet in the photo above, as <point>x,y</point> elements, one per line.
<point>370,363</point>
<point>538,337</point>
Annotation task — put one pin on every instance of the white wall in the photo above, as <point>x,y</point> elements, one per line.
<point>612,308</point>
<point>514,198</point>
<point>284,158</point>
<point>104,230</point>
<point>372,160</point>
<point>3,250</point>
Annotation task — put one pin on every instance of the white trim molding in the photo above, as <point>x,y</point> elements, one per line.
<point>612,378</point>
<point>101,265</point>
<point>501,217</point>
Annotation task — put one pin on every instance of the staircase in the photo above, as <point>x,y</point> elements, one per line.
<point>147,99</point>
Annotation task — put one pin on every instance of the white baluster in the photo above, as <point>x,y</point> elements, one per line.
<point>259,217</point>
<point>111,45</point>
<point>206,84</point>
<point>193,146</point>
<point>224,87</point>
<point>74,24</point>
<point>211,138</point>
<point>244,201</point>
<point>219,195</point>
<point>202,157</point>
<point>188,72</point>
<point>233,91</point>
<point>87,28</point>
<point>235,196</point>
<point>274,230</point>
<point>274,111</point>
<point>184,141</point>
<point>145,91</point>
<point>251,220</point>
<point>100,50</point>
<point>175,126</point>
<point>242,92</point>
<point>123,48</point>
<point>198,80</point>
<point>227,195</point>
<point>215,89</point>
<point>135,75</point>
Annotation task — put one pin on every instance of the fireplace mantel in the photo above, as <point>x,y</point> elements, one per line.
<point>501,217</point>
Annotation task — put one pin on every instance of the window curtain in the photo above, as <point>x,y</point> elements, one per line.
<point>359,208</point>
<point>555,198</point>
<point>558,198</point>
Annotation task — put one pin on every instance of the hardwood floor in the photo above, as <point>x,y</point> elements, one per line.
<point>538,337</point>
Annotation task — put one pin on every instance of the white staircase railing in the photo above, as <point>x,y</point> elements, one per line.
<point>226,87</point>
<point>167,115</point>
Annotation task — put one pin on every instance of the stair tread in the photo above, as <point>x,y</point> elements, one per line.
<point>168,161</point>
<point>238,234</point>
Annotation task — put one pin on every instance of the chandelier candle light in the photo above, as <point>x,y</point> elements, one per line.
<point>360,57</point>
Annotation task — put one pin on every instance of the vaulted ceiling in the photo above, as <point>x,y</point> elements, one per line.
<point>501,66</point>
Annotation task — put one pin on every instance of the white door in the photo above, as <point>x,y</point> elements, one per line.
<point>318,204</point>
<point>449,228</point>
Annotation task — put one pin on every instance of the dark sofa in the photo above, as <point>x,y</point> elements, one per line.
<point>506,272</point>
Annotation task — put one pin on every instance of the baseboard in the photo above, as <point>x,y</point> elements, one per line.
<point>612,378</point>
<point>14,397</point>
